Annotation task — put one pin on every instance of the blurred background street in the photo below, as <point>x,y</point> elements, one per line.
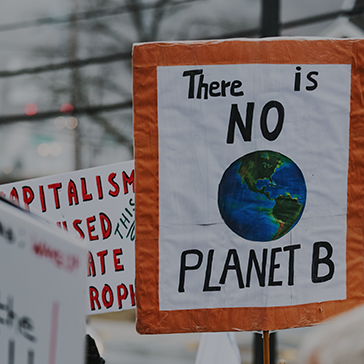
<point>119,343</point>
<point>65,68</point>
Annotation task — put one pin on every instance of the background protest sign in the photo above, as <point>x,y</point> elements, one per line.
<point>96,204</point>
<point>41,291</point>
<point>248,162</point>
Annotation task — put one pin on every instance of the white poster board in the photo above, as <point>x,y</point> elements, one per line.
<point>248,192</point>
<point>97,205</point>
<point>41,291</point>
<point>219,173</point>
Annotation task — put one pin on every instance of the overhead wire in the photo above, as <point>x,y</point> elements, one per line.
<point>77,63</point>
<point>64,134</point>
<point>123,56</point>
<point>357,10</point>
<point>87,110</point>
<point>86,15</point>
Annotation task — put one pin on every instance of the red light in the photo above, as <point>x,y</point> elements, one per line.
<point>31,109</point>
<point>66,108</point>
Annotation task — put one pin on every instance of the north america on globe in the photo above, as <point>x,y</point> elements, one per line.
<point>262,195</point>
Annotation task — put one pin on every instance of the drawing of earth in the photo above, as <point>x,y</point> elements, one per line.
<point>262,195</point>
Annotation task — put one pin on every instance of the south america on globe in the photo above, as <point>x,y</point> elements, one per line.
<point>262,195</point>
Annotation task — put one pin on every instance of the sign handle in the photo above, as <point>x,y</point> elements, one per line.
<point>266,347</point>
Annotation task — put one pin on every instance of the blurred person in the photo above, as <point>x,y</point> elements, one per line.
<point>339,340</point>
<point>92,355</point>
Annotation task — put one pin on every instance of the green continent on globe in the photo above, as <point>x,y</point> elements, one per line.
<point>286,212</point>
<point>257,166</point>
<point>262,195</point>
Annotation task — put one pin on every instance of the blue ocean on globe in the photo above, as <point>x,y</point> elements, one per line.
<point>262,195</point>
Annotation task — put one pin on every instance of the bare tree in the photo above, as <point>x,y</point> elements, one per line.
<point>101,30</point>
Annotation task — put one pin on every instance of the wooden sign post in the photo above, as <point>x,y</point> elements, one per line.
<point>266,347</point>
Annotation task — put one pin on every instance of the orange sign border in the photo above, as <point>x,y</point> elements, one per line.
<point>146,58</point>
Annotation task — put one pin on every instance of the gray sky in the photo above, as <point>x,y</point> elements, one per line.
<point>20,49</point>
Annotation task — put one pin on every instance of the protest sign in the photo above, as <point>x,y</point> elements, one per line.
<point>248,163</point>
<point>42,279</point>
<point>95,204</point>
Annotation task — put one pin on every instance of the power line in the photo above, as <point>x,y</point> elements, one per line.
<point>357,10</point>
<point>86,15</point>
<point>66,133</point>
<point>88,110</point>
<point>68,64</point>
<point>127,55</point>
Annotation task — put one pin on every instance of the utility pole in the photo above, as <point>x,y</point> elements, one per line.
<point>270,19</point>
<point>75,83</point>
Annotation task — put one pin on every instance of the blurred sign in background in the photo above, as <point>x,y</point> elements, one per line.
<point>97,205</point>
<point>39,322</point>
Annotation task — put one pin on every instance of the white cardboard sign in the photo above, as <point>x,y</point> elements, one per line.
<point>97,205</point>
<point>211,161</point>
<point>249,201</point>
<point>41,297</point>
